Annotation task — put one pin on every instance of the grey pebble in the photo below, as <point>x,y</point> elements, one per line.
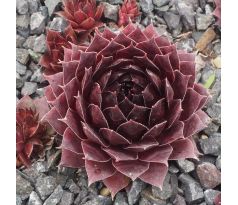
<point>210,195</point>
<point>134,192</point>
<point>18,200</point>
<point>120,199</point>
<point>99,200</point>
<point>51,4</point>
<point>146,6</point>
<point>39,44</point>
<point>193,193</point>
<point>166,191</point>
<point>214,111</point>
<point>212,128</point>
<point>29,43</point>
<point>172,20</point>
<point>211,145</point>
<point>72,186</point>
<point>45,186</point>
<point>23,187</point>
<point>19,41</point>
<point>27,75</point>
<point>185,165</point>
<point>22,55</point>
<point>21,69</point>
<point>186,11</point>
<point>33,5</point>
<point>116,2</point>
<point>67,198</point>
<point>111,11</point>
<point>55,197</point>
<point>160,3</point>
<point>22,6</point>
<point>28,88</point>
<point>203,21</point>
<point>58,24</point>
<point>179,200</point>
<point>37,76</point>
<point>34,199</point>
<point>218,162</point>
<point>37,23</point>
<point>22,24</point>
<point>187,44</point>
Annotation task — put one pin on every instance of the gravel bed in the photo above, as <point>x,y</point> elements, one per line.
<point>188,181</point>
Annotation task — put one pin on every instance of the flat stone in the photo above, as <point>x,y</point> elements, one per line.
<point>210,195</point>
<point>214,111</point>
<point>37,76</point>
<point>193,193</point>
<point>19,81</point>
<point>22,55</point>
<point>186,179</point>
<point>33,6</point>
<point>27,75</point>
<point>160,3</point>
<point>115,2</point>
<point>172,20</point>
<point>72,186</point>
<point>21,69</point>
<point>148,196</point>
<point>144,201</point>
<point>120,199</point>
<point>179,200</point>
<point>29,43</point>
<point>51,5</point>
<point>185,165</point>
<point>28,88</point>
<point>45,186</point>
<point>146,6</point>
<point>44,11</point>
<point>34,56</point>
<point>218,162</point>
<point>186,11</point>
<point>37,23</point>
<point>212,128</point>
<point>209,176</point>
<point>211,145</point>
<point>111,11</point>
<point>55,197</point>
<point>18,200</point>
<point>22,22</point>
<point>39,45</point>
<point>23,187</point>
<point>22,6</point>
<point>41,166</point>
<point>173,169</point>
<point>134,192</point>
<point>67,198</point>
<point>202,4</point>
<point>81,195</point>
<point>203,21</point>
<point>187,44</point>
<point>34,199</point>
<point>58,24</point>
<point>166,191</point>
<point>102,200</point>
<point>19,41</point>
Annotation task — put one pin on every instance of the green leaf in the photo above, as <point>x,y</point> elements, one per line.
<point>210,81</point>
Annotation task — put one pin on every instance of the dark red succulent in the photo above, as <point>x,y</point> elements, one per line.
<point>55,42</point>
<point>83,15</point>
<point>126,105</point>
<point>32,135</point>
<point>217,11</point>
<point>128,12</point>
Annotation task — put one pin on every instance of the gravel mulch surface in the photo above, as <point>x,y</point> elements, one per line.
<point>188,181</point>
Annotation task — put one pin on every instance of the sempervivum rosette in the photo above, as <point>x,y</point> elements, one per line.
<point>33,136</point>
<point>125,105</point>
<point>128,12</point>
<point>55,42</point>
<point>83,15</point>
